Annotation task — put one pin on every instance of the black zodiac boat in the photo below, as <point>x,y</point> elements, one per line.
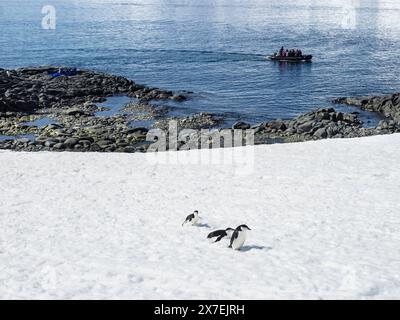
<point>306,58</point>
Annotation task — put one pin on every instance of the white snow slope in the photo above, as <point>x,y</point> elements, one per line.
<point>325,217</point>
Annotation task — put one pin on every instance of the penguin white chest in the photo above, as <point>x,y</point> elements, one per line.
<point>239,241</point>
<point>194,220</point>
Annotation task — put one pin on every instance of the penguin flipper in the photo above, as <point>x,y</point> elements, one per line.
<point>234,236</point>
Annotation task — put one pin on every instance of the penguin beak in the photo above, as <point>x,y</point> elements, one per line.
<point>248,228</point>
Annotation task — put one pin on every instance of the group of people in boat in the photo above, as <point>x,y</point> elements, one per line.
<point>289,53</point>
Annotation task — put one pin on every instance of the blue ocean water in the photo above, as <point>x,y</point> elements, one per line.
<point>217,48</point>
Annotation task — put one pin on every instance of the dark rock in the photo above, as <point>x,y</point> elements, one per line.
<point>321,133</point>
<point>129,149</point>
<point>76,112</point>
<point>85,143</point>
<point>50,142</point>
<point>59,146</point>
<point>82,138</point>
<point>305,127</point>
<point>104,143</point>
<point>95,147</point>
<point>138,131</point>
<point>258,127</point>
<point>178,97</point>
<point>241,125</point>
<point>277,125</point>
<point>53,126</point>
<point>70,142</point>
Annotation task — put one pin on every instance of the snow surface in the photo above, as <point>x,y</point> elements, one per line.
<point>324,215</point>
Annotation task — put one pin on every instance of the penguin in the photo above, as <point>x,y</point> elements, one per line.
<point>192,218</point>
<point>218,235</point>
<point>239,237</point>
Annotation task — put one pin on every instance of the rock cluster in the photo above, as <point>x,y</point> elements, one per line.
<point>29,89</point>
<point>77,124</point>
<point>388,105</point>
<point>202,120</point>
<point>320,124</point>
<point>101,138</point>
<point>29,94</point>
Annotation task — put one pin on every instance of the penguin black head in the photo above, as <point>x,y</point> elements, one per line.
<point>243,227</point>
<point>229,229</point>
<point>196,212</point>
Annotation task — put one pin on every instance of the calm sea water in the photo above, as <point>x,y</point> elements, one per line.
<point>217,48</point>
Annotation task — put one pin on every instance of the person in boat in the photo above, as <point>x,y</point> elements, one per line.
<point>289,53</point>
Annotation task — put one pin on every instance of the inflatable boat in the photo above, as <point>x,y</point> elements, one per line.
<point>306,58</point>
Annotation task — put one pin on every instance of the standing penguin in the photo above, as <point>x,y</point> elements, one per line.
<point>218,235</point>
<point>239,237</point>
<point>192,218</point>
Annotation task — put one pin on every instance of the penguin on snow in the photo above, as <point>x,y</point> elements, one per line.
<point>218,235</point>
<point>239,237</point>
<point>192,219</point>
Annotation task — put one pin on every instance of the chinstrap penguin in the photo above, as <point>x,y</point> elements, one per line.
<point>218,235</point>
<point>192,219</point>
<point>239,237</point>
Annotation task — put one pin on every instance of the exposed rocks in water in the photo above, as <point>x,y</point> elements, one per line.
<point>388,105</point>
<point>29,94</point>
<point>241,125</point>
<point>197,121</point>
<point>319,124</point>
<point>30,89</point>
<point>143,111</point>
<point>71,119</point>
<point>113,134</point>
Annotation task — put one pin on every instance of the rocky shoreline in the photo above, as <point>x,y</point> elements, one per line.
<point>388,105</point>
<point>40,112</point>
<point>324,123</point>
<point>70,105</point>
